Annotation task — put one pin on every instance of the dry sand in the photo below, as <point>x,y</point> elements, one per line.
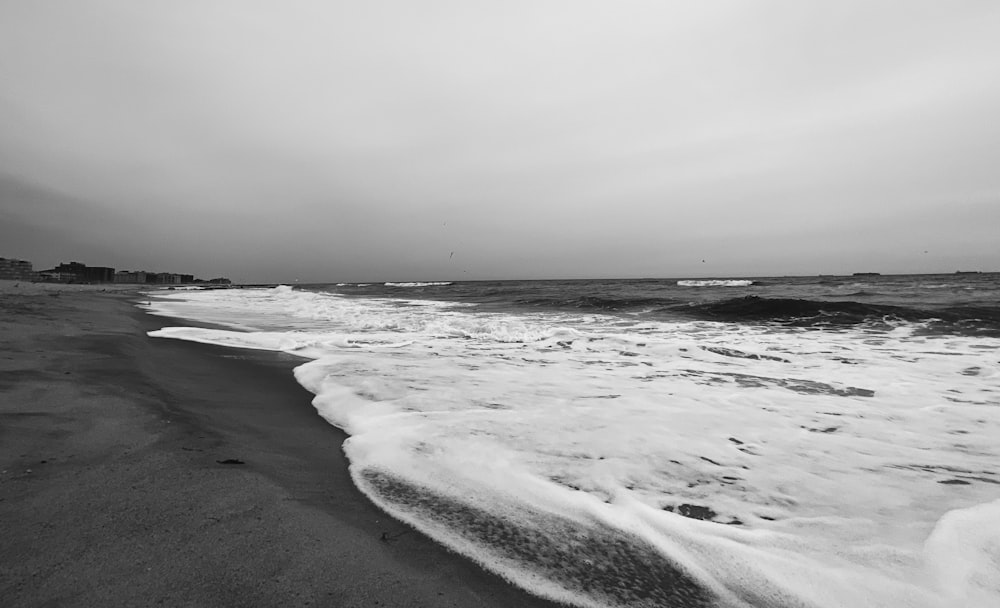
<point>112,492</point>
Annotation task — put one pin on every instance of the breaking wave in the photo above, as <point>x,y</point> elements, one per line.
<point>716,283</point>
<point>419,284</point>
<point>800,312</point>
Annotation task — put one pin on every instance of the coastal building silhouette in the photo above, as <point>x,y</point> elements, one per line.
<point>77,272</point>
<point>17,270</point>
<point>155,278</point>
<point>170,278</point>
<point>131,276</point>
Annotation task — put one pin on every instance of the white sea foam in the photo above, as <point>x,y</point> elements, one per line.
<point>854,468</point>
<point>419,284</point>
<point>716,283</point>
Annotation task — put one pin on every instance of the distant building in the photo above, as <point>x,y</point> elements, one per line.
<point>54,276</point>
<point>75,272</point>
<point>131,276</point>
<point>164,278</point>
<point>71,272</point>
<point>154,278</point>
<point>99,274</point>
<point>17,270</point>
<point>220,281</point>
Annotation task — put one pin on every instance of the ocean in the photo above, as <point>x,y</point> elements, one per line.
<point>817,442</point>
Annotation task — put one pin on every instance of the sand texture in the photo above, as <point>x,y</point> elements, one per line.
<point>114,487</point>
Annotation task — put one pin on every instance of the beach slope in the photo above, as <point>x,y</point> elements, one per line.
<point>136,471</point>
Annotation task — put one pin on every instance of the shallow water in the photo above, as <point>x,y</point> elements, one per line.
<point>628,444</point>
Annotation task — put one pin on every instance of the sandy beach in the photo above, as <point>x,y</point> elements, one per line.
<point>140,472</point>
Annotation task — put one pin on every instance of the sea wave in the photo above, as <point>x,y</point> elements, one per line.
<point>597,303</point>
<point>418,284</point>
<point>803,312</point>
<point>716,283</point>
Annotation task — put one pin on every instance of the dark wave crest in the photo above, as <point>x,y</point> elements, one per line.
<point>980,320</point>
<point>599,303</point>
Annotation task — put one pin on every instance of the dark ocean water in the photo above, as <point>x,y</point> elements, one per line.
<point>961,303</point>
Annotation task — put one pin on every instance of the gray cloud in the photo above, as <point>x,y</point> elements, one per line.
<point>366,141</point>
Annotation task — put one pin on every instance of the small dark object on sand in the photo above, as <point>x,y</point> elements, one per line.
<point>386,537</point>
<point>230,461</point>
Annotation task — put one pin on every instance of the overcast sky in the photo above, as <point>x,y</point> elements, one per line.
<point>394,140</point>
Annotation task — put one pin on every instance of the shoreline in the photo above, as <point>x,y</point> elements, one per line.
<point>115,489</point>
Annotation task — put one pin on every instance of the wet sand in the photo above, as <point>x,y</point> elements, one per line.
<point>115,488</point>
